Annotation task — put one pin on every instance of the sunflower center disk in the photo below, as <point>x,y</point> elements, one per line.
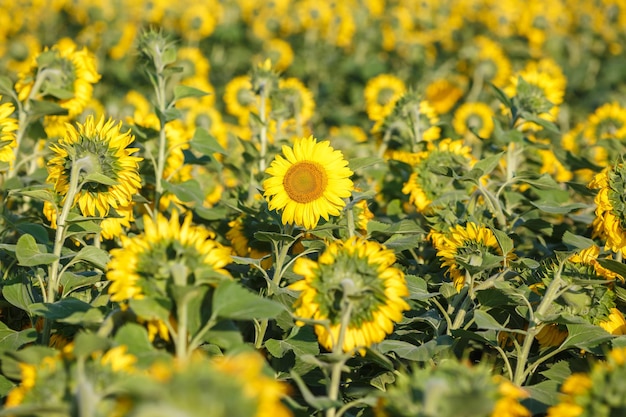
<point>305,181</point>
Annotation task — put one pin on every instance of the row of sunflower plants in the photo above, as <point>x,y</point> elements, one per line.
<point>163,254</point>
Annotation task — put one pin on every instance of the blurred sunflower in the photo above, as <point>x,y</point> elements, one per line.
<point>309,182</point>
<point>597,393</point>
<point>467,250</point>
<point>8,126</point>
<point>101,149</point>
<point>279,52</point>
<point>607,122</point>
<point>239,97</point>
<point>198,20</point>
<point>381,93</point>
<point>610,202</point>
<point>241,237</point>
<point>357,278</point>
<point>166,253</point>
<point>424,186</point>
<point>443,93</point>
<point>487,60</point>
<point>64,75</point>
<point>293,101</point>
<point>476,117</point>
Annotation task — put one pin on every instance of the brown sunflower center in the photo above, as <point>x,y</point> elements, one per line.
<point>305,181</point>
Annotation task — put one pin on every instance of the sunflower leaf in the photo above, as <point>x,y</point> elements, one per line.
<point>585,336</point>
<point>6,86</point>
<point>204,143</point>
<point>184,91</point>
<point>100,179</point>
<point>233,301</point>
<point>30,254</point>
<point>95,256</point>
<point>359,163</point>
<point>46,108</point>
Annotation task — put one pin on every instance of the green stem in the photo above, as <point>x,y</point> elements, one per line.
<point>415,121</point>
<point>162,151</point>
<point>385,142</point>
<point>535,326</point>
<point>263,133</point>
<point>335,373</point>
<point>182,338</point>
<point>59,241</point>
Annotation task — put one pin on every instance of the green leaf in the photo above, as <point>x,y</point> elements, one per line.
<point>485,320</point>
<point>585,336</point>
<point>35,230</point>
<point>541,122</point>
<point>188,191</point>
<point>488,164</point>
<point>417,288</point>
<point>577,241</point>
<point>86,343</point>
<point>135,337</point>
<point>11,340</point>
<point>225,334</point>
<point>300,344</point>
<point>100,179</point>
<point>505,242</point>
<point>233,301</point>
<point>555,208</point>
<point>501,96</point>
<point>46,108</point>
<point>184,91</point>
<point>70,310</point>
<point>273,237</point>
<point>558,371</point>
<point>421,353</point>
<point>43,194</point>
<point>6,86</point>
<point>358,163</point>
<point>149,308</point>
<point>205,143</point>
<point>18,294</point>
<point>542,395</point>
<point>92,255</point>
<point>30,254</point>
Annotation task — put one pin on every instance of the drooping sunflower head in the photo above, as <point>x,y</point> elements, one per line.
<point>65,75</point>
<point>310,181</point>
<point>167,253</point>
<point>101,151</point>
<point>467,249</point>
<point>8,126</point>
<point>357,279</point>
<point>610,220</point>
<point>381,93</point>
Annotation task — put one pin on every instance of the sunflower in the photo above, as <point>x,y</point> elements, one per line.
<point>241,237</point>
<point>64,68</point>
<point>467,250</point>
<point>198,20</point>
<point>443,93</point>
<point>309,182</point>
<point>8,126</point>
<point>607,122</point>
<point>489,61</point>
<point>381,93</point>
<point>280,52</point>
<point>614,323</point>
<point>424,186</point>
<point>148,263</point>
<point>357,272</point>
<point>101,149</point>
<point>294,100</point>
<point>474,117</point>
<point>239,97</point>
<point>610,221</point>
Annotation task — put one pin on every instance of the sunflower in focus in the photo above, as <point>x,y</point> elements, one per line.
<point>8,126</point>
<point>310,181</point>
<point>610,220</point>
<point>476,117</point>
<point>381,93</point>
<point>467,250</point>
<point>357,278</point>
<point>100,148</point>
<point>166,253</point>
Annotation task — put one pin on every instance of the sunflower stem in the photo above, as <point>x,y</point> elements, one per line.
<point>535,326</point>
<point>335,373</point>
<point>161,102</point>
<point>263,133</point>
<point>59,241</point>
<point>385,142</point>
<point>415,121</point>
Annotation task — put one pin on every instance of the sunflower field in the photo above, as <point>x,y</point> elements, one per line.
<point>292,208</point>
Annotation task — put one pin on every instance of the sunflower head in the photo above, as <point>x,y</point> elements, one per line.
<point>356,280</point>
<point>381,93</point>
<point>610,221</point>
<point>467,250</point>
<point>168,253</point>
<point>8,126</point>
<point>109,174</point>
<point>310,181</point>
<point>63,74</point>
